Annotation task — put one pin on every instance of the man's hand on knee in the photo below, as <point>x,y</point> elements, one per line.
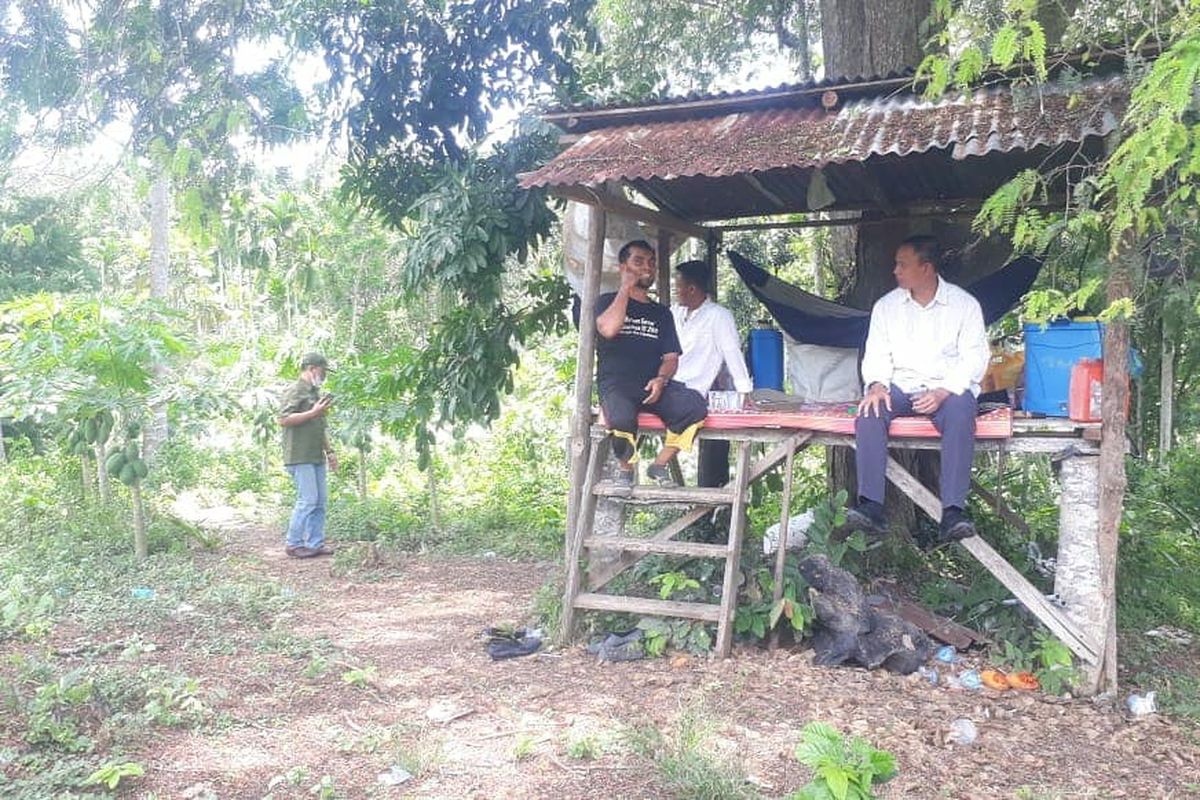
<point>930,401</point>
<point>876,394</point>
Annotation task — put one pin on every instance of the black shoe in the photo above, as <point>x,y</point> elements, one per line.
<point>661,474</point>
<point>956,525</point>
<point>868,516</point>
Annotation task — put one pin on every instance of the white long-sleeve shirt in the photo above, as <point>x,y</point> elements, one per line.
<point>914,347</point>
<point>709,339</point>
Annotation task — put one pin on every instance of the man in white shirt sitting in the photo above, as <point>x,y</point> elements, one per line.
<point>709,339</point>
<point>926,353</point>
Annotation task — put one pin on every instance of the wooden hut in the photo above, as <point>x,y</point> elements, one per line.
<point>859,152</point>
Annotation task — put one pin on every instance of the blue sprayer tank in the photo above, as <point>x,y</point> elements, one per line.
<point>1051,351</point>
<point>766,358</point>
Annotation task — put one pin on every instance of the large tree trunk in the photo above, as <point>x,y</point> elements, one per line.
<point>861,38</point>
<point>1054,15</point>
<point>160,231</point>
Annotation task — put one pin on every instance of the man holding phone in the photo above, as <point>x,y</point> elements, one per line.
<point>638,351</point>
<point>306,452</point>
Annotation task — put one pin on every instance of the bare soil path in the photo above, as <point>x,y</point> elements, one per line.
<point>381,665</point>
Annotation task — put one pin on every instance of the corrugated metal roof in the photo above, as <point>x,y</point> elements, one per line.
<point>995,120</point>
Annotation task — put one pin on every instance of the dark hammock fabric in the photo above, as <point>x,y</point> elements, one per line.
<point>814,320</point>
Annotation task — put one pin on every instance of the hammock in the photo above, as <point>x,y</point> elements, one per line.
<point>811,319</point>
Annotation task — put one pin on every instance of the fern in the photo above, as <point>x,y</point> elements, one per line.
<point>1005,46</point>
<point>969,67</point>
<point>999,212</point>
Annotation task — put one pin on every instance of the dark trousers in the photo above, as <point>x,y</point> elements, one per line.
<point>712,464</point>
<point>955,421</point>
<point>679,407</point>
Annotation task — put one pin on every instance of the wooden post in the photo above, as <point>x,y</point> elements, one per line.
<point>581,420</point>
<point>664,267</point>
<point>710,258</point>
<point>737,524</point>
<point>1112,453</point>
<point>1166,394</point>
<point>785,513</point>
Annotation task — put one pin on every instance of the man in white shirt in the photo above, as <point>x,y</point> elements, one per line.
<point>709,339</point>
<point>926,353</point>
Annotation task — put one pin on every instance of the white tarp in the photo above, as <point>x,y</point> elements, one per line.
<point>820,374</point>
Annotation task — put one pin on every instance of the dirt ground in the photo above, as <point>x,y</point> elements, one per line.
<point>403,679</point>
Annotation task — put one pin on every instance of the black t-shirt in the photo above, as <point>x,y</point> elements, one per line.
<point>631,358</point>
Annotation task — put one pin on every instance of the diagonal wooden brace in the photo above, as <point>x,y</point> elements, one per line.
<point>1050,616</point>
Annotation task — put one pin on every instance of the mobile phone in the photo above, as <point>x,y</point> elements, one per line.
<point>328,397</point>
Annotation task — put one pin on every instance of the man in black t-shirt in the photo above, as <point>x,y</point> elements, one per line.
<point>638,354</point>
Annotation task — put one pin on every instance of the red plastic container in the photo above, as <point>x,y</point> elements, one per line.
<point>1087,380</point>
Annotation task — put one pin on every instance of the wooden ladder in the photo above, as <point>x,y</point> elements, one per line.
<point>631,549</point>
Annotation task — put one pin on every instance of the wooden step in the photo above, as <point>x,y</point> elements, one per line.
<point>668,547</point>
<point>708,612</point>
<point>689,495</point>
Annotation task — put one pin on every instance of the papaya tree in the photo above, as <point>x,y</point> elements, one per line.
<point>88,366</point>
<point>126,464</point>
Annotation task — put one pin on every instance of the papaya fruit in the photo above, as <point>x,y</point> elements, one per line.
<point>139,466</point>
<point>115,462</point>
<point>128,475</point>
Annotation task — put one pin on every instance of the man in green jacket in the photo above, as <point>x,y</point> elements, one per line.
<point>306,451</point>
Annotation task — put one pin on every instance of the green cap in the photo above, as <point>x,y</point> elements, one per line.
<point>314,360</point>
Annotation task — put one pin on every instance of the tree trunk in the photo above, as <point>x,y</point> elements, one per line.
<point>102,472</point>
<point>362,473</point>
<point>1054,16</point>
<point>85,477</point>
<point>160,230</point>
<point>1115,398</point>
<point>862,38</point>
<point>434,517</point>
<point>3,450</point>
<point>140,549</point>
<point>1166,394</point>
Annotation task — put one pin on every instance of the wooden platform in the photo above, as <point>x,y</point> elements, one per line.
<point>830,425</point>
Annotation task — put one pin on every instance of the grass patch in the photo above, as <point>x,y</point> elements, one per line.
<point>689,769</point>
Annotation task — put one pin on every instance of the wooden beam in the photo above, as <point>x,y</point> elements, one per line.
<point>707,612</point>
<point>757,186</point>
<point>622,207</point>
<point>1014,581</point>
<point>664,494</point>
<point>668,548</point>
<point>664,267</point>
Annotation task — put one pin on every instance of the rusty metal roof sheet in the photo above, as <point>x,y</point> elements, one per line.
<point>995,120</point>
